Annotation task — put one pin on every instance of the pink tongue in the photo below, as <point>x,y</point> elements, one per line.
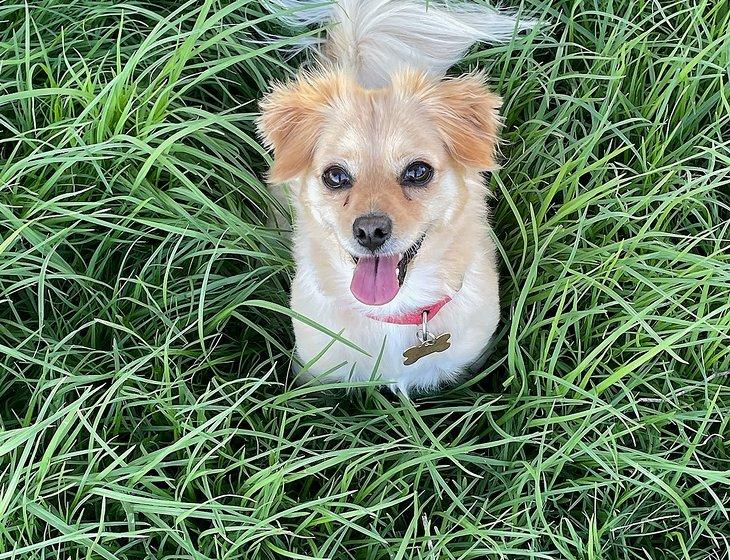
<point>374,281</point>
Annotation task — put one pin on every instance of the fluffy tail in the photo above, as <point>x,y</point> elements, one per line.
<point>374,38</point>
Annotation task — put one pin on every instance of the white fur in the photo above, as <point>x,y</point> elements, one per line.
<point>375,38</point>
<point>471,318</point>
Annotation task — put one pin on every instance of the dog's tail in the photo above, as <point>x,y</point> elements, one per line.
<point>374,38</point>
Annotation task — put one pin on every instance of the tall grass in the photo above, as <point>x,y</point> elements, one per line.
<point>145,400</point>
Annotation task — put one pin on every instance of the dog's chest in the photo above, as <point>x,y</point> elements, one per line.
<point>374,349</point>
<point>383,344</point>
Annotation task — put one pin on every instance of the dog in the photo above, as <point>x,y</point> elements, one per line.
<point>382,158</point>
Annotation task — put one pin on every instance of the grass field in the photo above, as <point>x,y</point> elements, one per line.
<point>145,399</point>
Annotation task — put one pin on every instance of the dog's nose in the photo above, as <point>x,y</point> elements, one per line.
<point>372,230</point>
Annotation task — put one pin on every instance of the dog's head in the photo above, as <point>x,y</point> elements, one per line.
<point>380,170</point>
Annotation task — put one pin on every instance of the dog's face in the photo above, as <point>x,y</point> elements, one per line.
<point>381,170</point>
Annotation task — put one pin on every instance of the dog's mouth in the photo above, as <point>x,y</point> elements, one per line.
<point>378,278</point>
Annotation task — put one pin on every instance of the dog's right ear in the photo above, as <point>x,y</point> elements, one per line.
<point>292,116</point>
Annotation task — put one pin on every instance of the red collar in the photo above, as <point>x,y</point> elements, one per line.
<point>414,317</point>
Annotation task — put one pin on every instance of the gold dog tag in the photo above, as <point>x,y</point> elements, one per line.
<point>429,344</point>
<point>415,353</point>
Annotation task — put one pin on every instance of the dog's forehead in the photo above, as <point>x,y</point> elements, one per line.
<point>378,126</point>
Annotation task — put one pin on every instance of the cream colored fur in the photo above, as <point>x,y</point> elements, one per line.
<point>373,124</point>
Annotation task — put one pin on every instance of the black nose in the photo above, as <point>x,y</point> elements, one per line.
<point>372,230</point>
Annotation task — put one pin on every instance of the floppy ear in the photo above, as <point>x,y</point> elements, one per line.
<point>291,118</point>
<point>467,115</point>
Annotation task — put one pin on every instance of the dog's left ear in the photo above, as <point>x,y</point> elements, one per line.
<point>291,119</point>
<point>467,115</point>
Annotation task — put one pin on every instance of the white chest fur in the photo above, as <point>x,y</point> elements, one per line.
<point>471,318</point>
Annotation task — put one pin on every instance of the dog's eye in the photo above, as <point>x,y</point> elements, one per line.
<point>336,178</point>
<point>417,174</point>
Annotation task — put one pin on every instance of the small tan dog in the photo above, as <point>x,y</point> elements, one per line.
<point>383,158</point>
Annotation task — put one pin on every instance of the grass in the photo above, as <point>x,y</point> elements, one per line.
<point>145,403</point>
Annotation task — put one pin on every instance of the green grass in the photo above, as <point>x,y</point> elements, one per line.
<point>145,403</point>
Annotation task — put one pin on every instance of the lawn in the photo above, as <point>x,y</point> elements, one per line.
<point>146,404</point>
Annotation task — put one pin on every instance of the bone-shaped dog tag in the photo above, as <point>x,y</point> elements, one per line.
<point>415,353</point>
<point>429,344</point>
